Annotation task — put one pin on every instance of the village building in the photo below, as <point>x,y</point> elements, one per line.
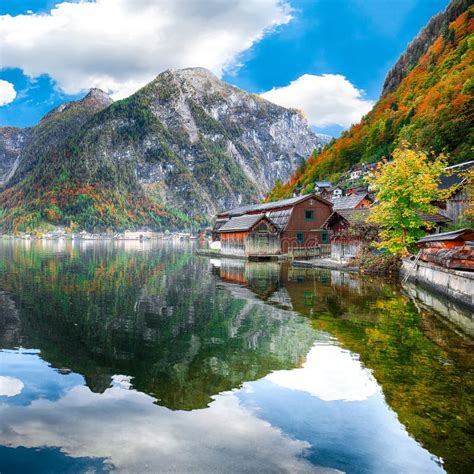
<point>249,234</point>
<point>353,201</point>
<point>320,186</point>
<point>349,232</point>
<point>454,181</point>
<point>274,228</point>
<point>337,193</point>
<point>357,190</point>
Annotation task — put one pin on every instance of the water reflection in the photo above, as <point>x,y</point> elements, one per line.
<point>148,358</point>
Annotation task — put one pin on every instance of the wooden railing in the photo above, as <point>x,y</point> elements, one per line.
<point>319,251</point>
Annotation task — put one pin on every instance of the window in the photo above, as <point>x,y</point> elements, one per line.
<point>324,237</point>
<point>309,215</point>
<point>300,237</point>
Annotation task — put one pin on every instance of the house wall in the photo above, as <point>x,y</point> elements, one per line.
<point>457,205</point>
<point>343,248</point>
<point>311,229</point>
<point>262,244</point>
<point>364,204</point>
<point>233,243</point>
<point>250,243</point>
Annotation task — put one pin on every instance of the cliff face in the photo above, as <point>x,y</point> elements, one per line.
<point>199,144</point>
<point>12,141</point>
<point>427,101</point>
<point>172,154</point>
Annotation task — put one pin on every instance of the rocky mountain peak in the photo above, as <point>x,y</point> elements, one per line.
<point>97,97</point>
<point>177,151</point>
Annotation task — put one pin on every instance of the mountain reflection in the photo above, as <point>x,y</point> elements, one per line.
<point>154,314</point>
<point>132,327</point>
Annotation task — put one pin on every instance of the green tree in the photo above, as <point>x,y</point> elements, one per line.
<point>405,188</point>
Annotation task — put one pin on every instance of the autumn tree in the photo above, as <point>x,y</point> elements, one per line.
<point>405,189</point>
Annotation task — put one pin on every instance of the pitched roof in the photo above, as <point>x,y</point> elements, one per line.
<point>280,218</point>
<point>434,217</point>
<point>462,234</point>
<point>352,216</point>
<point>238,211</point>
<point>348,202</point>
<point>455,175</point>
<point>219,223</point>
<point>323,184</point>
<point>241,223</point>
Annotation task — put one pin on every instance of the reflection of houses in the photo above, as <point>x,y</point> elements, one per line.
<point>348,229</point>
<point>273,228</point>
<point>262,278</point>
<point>458,199</point>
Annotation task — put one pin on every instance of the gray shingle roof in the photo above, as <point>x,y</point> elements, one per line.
<point>454,175</point>
<point>280,218</point>
<point>462,234</point>
<point>348,202</point>
<point>238,211</point>
<point>434,218</point>
<point>241,223</point>
<point>352,216</point>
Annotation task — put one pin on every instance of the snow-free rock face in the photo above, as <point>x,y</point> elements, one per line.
<point>12,141</point>
<point>199,144</point>
<point>187,141</point>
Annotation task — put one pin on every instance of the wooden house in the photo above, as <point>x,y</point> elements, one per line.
<point>349,232</point>
<point>274,228</point>
<point>337,193</point>
<point>454,181</point>
<point>249,234</point>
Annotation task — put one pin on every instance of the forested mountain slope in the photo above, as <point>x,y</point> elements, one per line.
<point>427,101</point>
<point>169,156</point>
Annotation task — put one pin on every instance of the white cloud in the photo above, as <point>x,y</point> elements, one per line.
<point>329,373</point>
<point>120,45</point>
<point>217,439</point>
<point>7,92</point>
<point>10,386</point>
<point>329,99</point>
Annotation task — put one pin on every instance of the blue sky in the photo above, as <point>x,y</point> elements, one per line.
<point>327,48</point>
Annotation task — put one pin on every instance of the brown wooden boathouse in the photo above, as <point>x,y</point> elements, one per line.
<point>274,228</point>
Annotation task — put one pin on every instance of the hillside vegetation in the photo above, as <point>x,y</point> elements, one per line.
<point>431,107</point>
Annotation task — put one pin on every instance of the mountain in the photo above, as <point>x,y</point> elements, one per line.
<point>170,155</point>
<point>427,100</point>
<point>12,141</point>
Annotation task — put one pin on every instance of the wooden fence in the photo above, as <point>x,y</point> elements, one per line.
<point>319,251</point>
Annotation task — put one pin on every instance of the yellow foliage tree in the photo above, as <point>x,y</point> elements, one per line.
<point>405,188</point>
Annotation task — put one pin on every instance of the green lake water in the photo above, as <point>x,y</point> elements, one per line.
<point>144,357</point>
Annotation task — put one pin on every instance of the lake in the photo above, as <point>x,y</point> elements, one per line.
<point>144,357</point>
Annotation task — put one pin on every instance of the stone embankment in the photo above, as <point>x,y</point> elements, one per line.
<point>457,285</point>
